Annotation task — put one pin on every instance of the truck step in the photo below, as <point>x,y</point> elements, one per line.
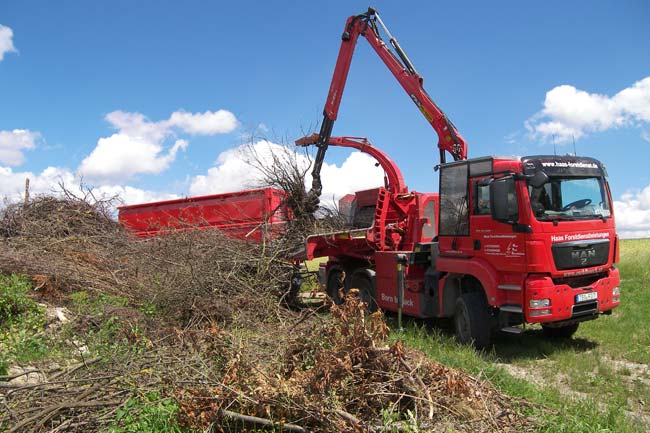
<point>511,308</point>
<point>512,330</point>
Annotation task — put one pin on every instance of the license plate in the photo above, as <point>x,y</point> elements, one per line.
<point>589,296</point>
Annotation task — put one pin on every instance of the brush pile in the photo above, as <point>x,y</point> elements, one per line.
<point>70,244</point>
<point>63,242</point>
<point>341,375</point>
<point>219,340</point>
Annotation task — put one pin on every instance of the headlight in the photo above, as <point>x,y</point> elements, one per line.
<point>616,291</point>
<point>539,303</point>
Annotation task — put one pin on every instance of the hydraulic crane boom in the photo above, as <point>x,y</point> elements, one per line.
<point>366,24</point>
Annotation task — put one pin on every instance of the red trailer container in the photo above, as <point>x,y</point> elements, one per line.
<point>253,214</point>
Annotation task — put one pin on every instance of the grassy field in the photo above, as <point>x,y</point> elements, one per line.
<point>599,381</point>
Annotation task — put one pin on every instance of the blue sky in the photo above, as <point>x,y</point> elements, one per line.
<point>92,88</point>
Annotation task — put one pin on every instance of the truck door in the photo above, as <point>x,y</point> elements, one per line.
<point>495,241</point>
<point>454,211</point>
<point>458,236</point>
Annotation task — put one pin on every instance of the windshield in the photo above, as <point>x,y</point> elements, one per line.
<point>570,198</point>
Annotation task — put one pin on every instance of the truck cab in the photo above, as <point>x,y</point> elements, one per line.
<point>528,240</point>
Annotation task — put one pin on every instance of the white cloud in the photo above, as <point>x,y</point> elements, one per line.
<point>139,145</point>
<point>13,143</point>
<point>6,41</point>
<point>632,213</point>
<point>138,126</point>
<point>572,113</point>
<point>208,123</point>
<point>233,171</point>
<point>358,172</point>
<point>12,186</point>
<point>131,195</point>
<point>635,100</point>
<point>121,156</point>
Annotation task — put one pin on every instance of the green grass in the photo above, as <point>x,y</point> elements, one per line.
<point>109,337</point>
<point>147,414</point>
<point>24,339</point>
<point>22,321</point>
<point>310,282</point>
<point>94,304</point>
<point>314,264</point>
<point>626,334</point>
<point>590,383</point>
<point>560,412</point>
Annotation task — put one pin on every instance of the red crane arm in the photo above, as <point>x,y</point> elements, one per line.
<point>449,139</point>
<point>366,25</point>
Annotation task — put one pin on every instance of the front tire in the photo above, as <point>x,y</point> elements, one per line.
<point>562,332</point>
<point>472,320</point>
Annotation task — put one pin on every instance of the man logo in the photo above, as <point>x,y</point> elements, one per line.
<point>581,257</point>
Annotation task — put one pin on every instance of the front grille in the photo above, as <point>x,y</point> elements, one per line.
<point>586,308</point>
<point>580,254</point>
<point>580,281</point>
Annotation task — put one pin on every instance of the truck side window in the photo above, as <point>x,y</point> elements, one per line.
<point>454,216</point>
<point>482,199</point>
<point>429,229</point>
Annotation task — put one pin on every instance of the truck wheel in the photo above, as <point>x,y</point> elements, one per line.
<point>472,320</point>
<point>335,281</point>
<point>562,332</point>
<point>367,291</point>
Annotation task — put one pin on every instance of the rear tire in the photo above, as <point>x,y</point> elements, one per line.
<point>335,284</point>
<point>472,320</point>
<point>367,291</point>
<point>563,332</point>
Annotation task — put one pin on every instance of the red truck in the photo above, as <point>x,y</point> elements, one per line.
<point>252,214</point>
<point>507,241</point>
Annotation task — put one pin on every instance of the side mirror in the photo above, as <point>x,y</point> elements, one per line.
<point>503,200</point>
<point>538,179</point>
